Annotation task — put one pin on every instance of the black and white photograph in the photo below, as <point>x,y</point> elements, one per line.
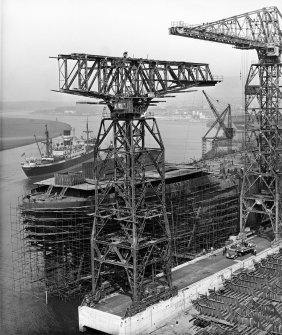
<point>141,167</point>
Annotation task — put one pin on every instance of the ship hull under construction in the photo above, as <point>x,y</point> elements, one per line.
<point>56,221</point>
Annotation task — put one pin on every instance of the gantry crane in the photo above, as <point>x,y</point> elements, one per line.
<point>259,30</point>
<point>131,239</point>
<point>219,123</point>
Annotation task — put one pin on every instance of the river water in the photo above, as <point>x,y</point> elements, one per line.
<point>23,313</point>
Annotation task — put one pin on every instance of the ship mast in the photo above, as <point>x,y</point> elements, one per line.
<point>37,145</point>
<point>87,131</point>
<point>48,142</point>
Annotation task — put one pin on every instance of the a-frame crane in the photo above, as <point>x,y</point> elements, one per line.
<point>223,124</point>
<point>259,30</point>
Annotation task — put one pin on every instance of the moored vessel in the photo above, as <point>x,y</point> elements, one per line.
<point>60,157</point>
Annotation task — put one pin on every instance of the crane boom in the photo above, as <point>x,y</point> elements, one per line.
<point>219,117</point>
<point>140,80</point>
<point>259,30</point>
<point>228,132</point>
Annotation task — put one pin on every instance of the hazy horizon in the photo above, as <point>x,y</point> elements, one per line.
<point>33,30</point>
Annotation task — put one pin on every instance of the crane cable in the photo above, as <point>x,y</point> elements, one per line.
<point>243,75</point>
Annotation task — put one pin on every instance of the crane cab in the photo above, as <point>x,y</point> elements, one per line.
<point>123,107</point>
<point>126,108</point>
<point>272,50</point>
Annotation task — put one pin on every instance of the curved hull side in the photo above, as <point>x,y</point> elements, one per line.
<point>65,165</point>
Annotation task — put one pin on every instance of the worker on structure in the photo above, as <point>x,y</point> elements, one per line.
<point>212,251</point>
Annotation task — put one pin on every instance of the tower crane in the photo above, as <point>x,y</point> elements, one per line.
<point>258,30</point>
<point>219,122</point>
<point>131,239</point>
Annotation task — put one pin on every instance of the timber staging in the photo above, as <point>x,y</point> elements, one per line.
<point>245,297</point>
<point>55,222</point>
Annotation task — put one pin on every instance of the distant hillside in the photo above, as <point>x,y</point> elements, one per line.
<point>16,132</point>
<point>230,90</point>
<point>79,109</point>
<point>28,105</point>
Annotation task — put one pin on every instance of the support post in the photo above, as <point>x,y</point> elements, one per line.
<point>263,147</point>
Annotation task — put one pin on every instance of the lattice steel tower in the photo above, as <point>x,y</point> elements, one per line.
<point>130,242</point>
<point>259,30</point>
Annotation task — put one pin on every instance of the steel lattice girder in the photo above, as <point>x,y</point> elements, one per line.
<point>111,78</point>
<point>131,237</point>
<point>253,30</point>
<point>259,30</point>
<point>130,240</point>
<point>263,140</point>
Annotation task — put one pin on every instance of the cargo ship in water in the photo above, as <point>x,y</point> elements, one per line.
<point>66,156</point>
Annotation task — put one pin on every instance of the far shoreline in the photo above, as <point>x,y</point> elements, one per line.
<point>18,132</point>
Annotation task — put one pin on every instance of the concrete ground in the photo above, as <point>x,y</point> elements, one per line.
<point>212,263</point>
<point>182,277</point>
<point>183,324</point>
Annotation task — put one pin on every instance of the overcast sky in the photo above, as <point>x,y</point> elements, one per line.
<point>33,30</point>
